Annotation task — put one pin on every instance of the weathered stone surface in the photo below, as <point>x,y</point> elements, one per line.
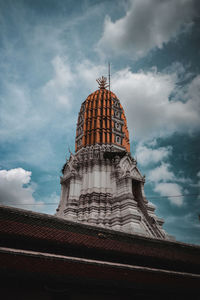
<point>103,186</point>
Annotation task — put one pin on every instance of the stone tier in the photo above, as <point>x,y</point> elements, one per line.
<point>101,185</point>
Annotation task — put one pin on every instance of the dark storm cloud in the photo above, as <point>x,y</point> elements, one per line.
<point>146,25</point>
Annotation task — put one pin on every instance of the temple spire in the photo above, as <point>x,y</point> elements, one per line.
<point>101,184</point>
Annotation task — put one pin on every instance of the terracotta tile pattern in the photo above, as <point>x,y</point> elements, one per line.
<point>96,121</point>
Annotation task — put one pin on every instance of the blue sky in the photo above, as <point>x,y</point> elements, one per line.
<point>51,53</point>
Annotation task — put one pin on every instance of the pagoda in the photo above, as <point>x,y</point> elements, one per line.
<point>101,183</point>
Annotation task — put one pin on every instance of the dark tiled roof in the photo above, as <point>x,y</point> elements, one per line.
<point>54,243</point>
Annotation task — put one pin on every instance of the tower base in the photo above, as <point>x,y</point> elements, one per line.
<point>102,186</point>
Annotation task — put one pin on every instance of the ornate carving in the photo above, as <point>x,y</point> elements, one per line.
<point>103,177</point>
<point>102,81</point>
<point>135,174</point>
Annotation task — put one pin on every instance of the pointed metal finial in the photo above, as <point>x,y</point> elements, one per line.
<point>109,75</point>
<point>102,82</point>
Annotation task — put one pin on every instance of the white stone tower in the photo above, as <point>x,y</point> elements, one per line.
<point>101,184</point>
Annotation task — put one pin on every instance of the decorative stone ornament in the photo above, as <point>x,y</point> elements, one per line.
<point>101,184</point>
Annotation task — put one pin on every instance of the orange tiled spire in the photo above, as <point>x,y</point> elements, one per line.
<point>102,120</point>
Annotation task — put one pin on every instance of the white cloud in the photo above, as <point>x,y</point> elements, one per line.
<point>58,89</point>
<point>146,25</point>
<point>146,155</point>
<point>193,93</point>
<point>14,109</point>
<point>16,189</point>
<point>167,184</point>
<point>149,110</point>
<point>87,72</point>
<point>19,115</point>
<point>167,189</point>
<point>161,173</point>
<point>31,117</point>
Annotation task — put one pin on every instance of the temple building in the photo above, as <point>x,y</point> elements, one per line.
<point>101,183</point>
<point>105,241</point>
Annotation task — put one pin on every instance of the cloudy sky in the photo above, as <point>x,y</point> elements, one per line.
<point>51,53</point>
